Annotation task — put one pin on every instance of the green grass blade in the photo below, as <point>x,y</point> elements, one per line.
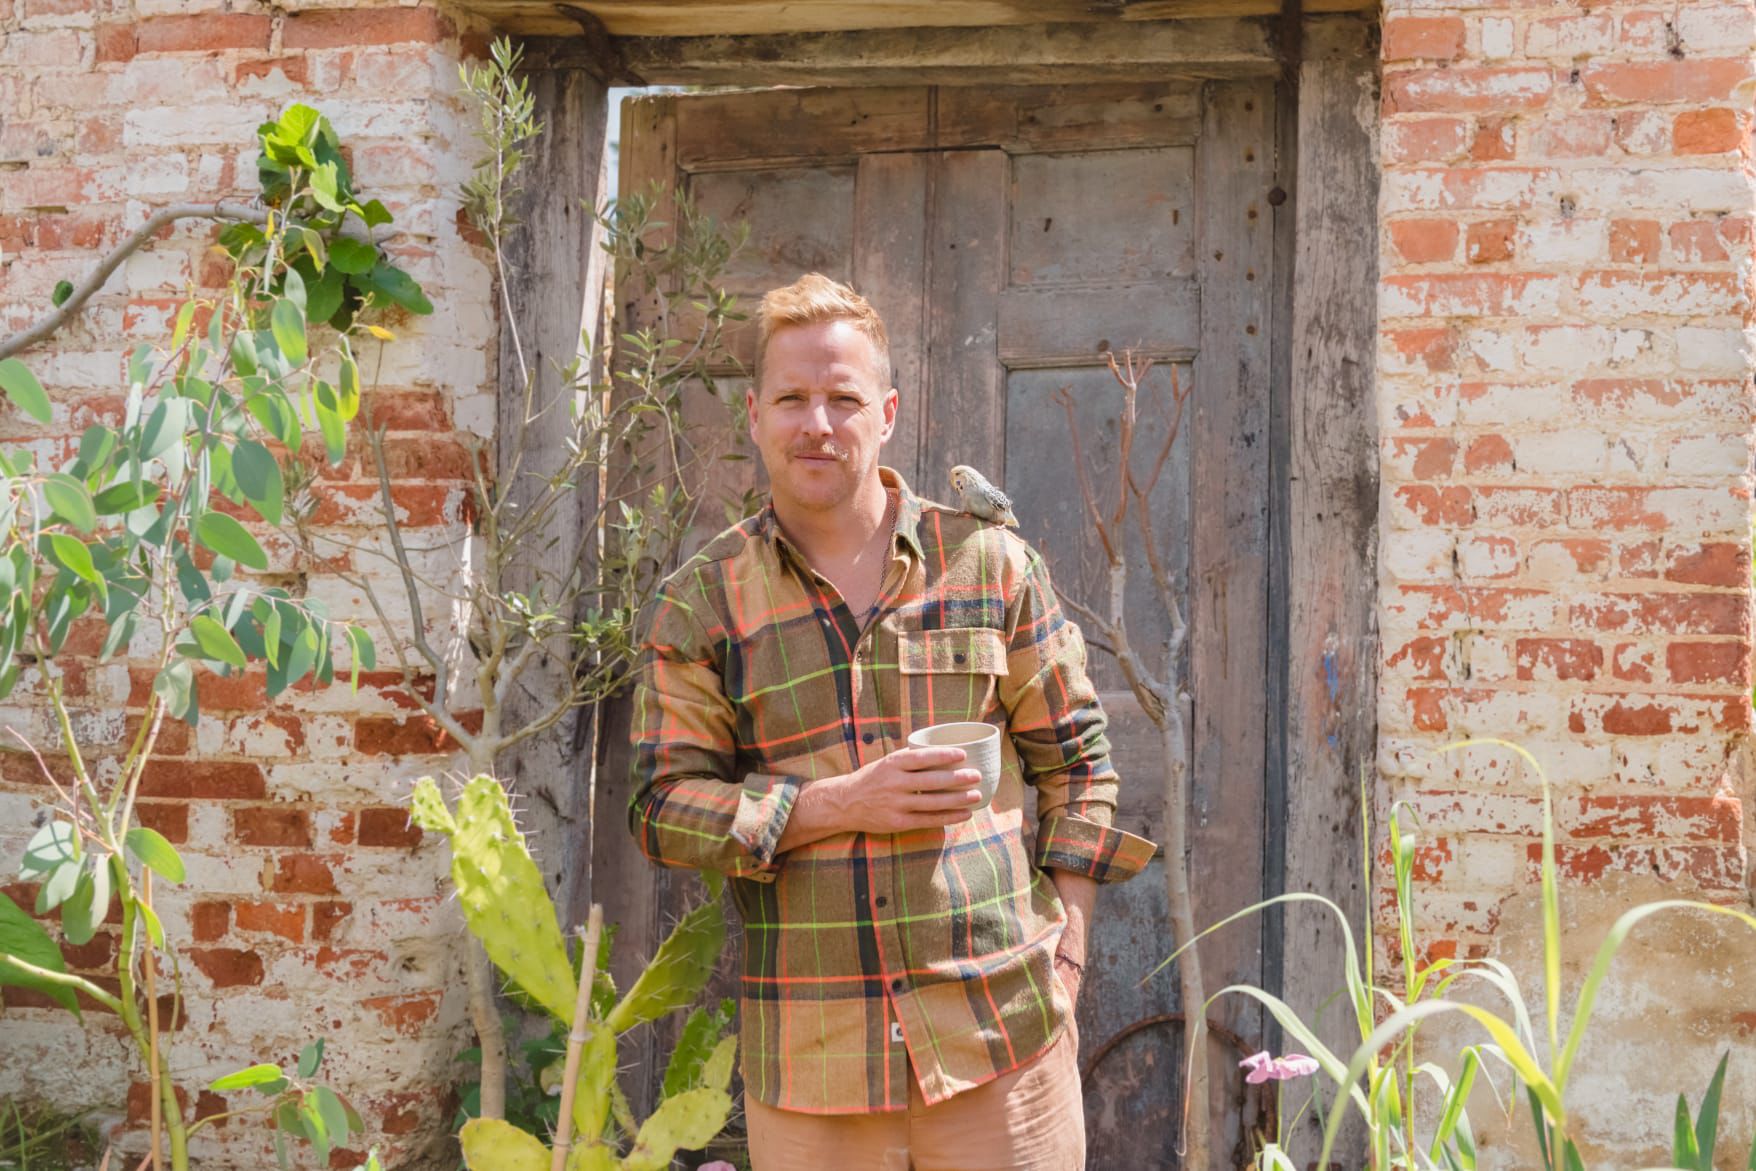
<point>1541,1122</point>
<point>1541,1088</point>
<point>1551,895</point>
<point>1684,1153</point>
<point>1707,1122</point>
<point>1456,1099</point>
<point>1359,991</point>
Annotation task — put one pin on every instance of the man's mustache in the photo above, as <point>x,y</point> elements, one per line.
<point>829,450</point>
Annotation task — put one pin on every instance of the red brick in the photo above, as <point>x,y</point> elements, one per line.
<point>1669,817</point>
<point>1425,657</point>
<point>1717,868</point>
<point>1424,241</point>
<point>243,692</point>
<point>302,874</point>
<point>116,42</point>
<point>206,33</point>
<point>1632,662</point>
<point>1488,455</point>
<point>203,779</point>
<point>1490,241</point>
<point>1697,242</point>
<point>228,967</point>
<point>1436,348</point>
<point>387,826</point>
<point>1634,241</point>
<point>169,818</point>
<point>419,505</point>
<point>1709,662</point>
<point>426,458</point>
<point>1494,141</point>
<point>294,69</point>
<point>211,1105</point>
<point>326,918</point>
<point>1705,132</point>
<point>417,735</point>
<point>96,955</point>
<point>1713,563</point>
<point>1691,80</point>
<point>1427,708</point>
<point>1436,38</point>
<point>1558,658</point>
<point>344,28</point>
<point>140,1101</point>
<point>407,411</point>
<point>286,920</point>
<point>1425,140</point>
<point>1636,718</point>
<point>1467,89</point>
<point>1437,506</point>
<point>407,1014</point>
<point>210,920</point>
<point>1664,613</point>
<point>1641,558</point>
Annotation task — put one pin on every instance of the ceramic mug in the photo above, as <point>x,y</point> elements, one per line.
<point>981,746</point>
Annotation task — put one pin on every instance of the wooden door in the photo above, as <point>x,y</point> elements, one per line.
<point>1011,237</point>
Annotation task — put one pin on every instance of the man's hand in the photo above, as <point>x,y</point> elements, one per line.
<point>1078,896</point>
<point>911,788</point>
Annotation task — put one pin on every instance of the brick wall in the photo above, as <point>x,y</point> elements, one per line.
<point>1565,419</point>
<point>311,907</point>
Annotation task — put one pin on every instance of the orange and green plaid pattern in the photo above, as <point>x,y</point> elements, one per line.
<point>868,956</point>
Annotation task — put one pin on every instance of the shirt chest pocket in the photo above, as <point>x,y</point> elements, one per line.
<point>949,675</point>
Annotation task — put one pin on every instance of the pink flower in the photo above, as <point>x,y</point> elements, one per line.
<point>1263,1068</point>
<point>716,1165</point>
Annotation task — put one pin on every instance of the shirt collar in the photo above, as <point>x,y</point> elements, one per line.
<point>908,517</point>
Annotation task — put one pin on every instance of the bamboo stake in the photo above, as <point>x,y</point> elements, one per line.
<point>577,1037</point>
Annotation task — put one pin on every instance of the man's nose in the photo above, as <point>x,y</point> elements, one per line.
<point>817,418</point>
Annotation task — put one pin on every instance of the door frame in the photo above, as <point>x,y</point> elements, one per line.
<point>1321,442</point>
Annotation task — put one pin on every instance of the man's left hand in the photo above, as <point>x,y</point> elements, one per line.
<point>1070,971</point>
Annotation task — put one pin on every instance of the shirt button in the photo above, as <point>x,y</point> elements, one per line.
<point>882,901</point>
<point>958,657</point>
<point>896,984</point>
<point>868,737</point>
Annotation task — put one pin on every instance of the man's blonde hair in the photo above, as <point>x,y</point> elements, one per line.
<point>814,298</point>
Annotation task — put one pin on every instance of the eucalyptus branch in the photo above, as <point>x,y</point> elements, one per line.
<point>62,979</point>
<point>223,210</point>
<point>393,528</point>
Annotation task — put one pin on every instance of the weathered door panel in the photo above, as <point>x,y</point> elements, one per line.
<point>1063,223</point>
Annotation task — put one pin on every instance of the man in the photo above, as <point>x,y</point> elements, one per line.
<point>910,965</point>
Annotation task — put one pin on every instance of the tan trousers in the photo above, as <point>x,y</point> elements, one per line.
<point>1032,1119</point>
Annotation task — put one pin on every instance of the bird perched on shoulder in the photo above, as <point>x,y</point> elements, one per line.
<point>979,498</point>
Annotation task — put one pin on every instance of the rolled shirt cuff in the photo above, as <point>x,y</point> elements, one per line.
<point>764,806</point>
<point>1096,851</point>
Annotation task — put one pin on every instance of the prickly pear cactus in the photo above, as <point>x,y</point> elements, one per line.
<point>501,890</point>
<point>679,971</point>
<point>492,1145</point>
<point>688,1120</point>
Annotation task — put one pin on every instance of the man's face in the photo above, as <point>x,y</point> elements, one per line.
<point>820,414</point>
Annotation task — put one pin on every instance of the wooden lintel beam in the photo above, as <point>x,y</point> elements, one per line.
<point>1107,51</point>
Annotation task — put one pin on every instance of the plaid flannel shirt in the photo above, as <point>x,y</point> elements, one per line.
<point>867,956</point>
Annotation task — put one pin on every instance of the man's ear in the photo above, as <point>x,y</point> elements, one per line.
<point>892,398</point>
<point>750,412</point>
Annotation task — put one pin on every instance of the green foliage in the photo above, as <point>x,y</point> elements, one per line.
<point>334,269</point>
<point>144,527</point>
<point>1693,1144</point>
<point>1382,1079</point>
<point>509,910</point>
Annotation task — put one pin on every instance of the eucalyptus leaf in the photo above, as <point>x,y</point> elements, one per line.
<point>23,938</point>
<point>155,852</point>
<point>287,321</point>
<point>225,536</point>
<point>71,501</point>
<point>248,1078</point>
<point>22,387</point>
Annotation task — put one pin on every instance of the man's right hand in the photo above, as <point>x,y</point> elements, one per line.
<point>911,788</point>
